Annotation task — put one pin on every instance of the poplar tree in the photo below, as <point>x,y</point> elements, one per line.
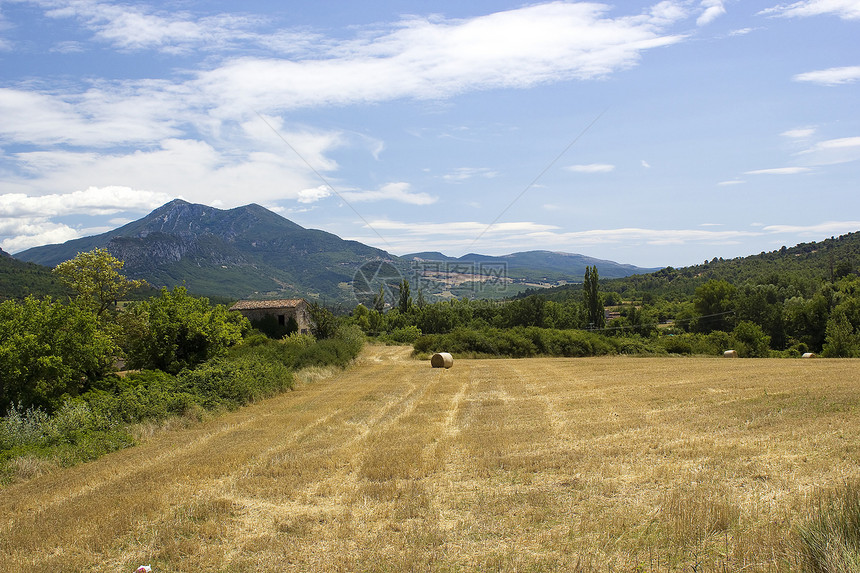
<point>592,300</point>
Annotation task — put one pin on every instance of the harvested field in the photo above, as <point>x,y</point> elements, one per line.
<point>598,464</point>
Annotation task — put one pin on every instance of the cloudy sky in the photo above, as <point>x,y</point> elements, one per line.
<point>661,133</point>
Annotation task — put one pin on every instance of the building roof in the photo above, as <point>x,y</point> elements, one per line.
<point>264,304</point>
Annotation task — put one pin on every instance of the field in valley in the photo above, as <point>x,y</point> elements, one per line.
<point>596,464</point>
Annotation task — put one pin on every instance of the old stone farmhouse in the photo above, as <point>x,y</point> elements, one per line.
<point>282,310</point>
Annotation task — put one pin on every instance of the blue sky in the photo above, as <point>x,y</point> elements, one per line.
<point>650,133</point>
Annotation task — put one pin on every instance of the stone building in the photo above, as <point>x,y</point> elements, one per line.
<point>282,310</point>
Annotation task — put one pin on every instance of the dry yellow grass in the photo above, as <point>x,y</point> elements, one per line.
<point>604,464</point>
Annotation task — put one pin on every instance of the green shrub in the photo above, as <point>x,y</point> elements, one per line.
<point>50,351</point>
<point>518,342</point>
<point>175,330</point>
<point>405,335</point>
<point>750,340</point>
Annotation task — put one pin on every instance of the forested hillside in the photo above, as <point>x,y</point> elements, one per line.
<point>785,303</point>
<point>803,267</point>
<point>19,279</point>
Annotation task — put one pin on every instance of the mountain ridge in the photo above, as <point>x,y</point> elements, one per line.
<point>252,252</point>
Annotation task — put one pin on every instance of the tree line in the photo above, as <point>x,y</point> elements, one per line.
<point>781,315</point>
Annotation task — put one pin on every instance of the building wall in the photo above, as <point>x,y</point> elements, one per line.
<point>299,313</point>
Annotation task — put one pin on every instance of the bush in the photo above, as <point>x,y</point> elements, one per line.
<point>518,342</point>
<point>750,340</point>
<point>405,335</point>
<point>49,352</point>
<point>175,330</point>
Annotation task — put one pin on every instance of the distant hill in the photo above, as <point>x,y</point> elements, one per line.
<point>537,266</point>
<point>487,276</point>
<point>19,279</point>
<point>801,267</point>
<point>243,252</point>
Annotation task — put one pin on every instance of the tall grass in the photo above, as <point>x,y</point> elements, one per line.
<point>830,540</point>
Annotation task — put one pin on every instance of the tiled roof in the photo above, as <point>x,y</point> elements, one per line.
<point>261,304</point>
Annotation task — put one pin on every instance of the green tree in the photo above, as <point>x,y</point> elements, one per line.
<point>592,300</point>
<point>95,278</point>
<point>840,342</point>
<point>324,323</point>
<point>714,305</point>
<point>750,340</point>
<point>405,302</point>
<point>379,300</point>
<point>50,351</point>
<point>176,330</point>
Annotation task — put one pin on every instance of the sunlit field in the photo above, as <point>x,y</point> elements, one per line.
<point>594,464</point>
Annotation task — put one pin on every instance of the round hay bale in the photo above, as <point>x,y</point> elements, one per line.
<point>808,355</point>
<point>730,354</point>
<point>441,360</point>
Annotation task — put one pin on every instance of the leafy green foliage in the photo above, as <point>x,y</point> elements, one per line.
<point>714,303</point>
<point>175,330</point>
<point>95,278</point>
<point>592,300</point>
<point>841,340</point>
<point>324,323</point>
<point>518,342</point>
<point>750,340</point>
<point>50,351</point>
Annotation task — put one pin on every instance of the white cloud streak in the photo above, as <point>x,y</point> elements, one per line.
<point>833,151</point>
<point>831,76</point>
<point>845,9</point>
<point>465,173</point>
<point>397,191</point>
<point>591,168</point>
<point>780,171</point>
<point>456,237</point>
<point>799,133</point>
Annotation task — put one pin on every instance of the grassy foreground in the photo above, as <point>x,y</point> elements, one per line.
<point>589,464</point>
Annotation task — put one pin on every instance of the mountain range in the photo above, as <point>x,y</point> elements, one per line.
<point>251,252</point>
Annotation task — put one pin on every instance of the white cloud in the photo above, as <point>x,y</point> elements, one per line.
<point>465,173</point>
<point>713,9</point>
<point>731,182</point>
<point>779,171</point>
<point>91,201</point>
<point>313,195</point>
<point>397,191</point>
<point>106,115</point>
<point>799,133</point>
<point>845,9</point>
<point>831,228</point>
<point>437,57</point>
<point>459,237</point>
<point>741,31</point>
<point>834,151</point>
<point>21,233</point>
<point>831,76</point>
<point>179,167</point>
<point>645,164</point>
<point>459,227</point>
<point>137,27</point>
<point>591,168</point>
